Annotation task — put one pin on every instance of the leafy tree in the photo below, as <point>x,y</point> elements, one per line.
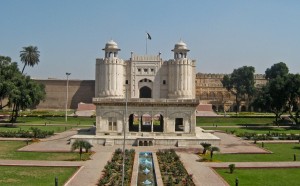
<point>279,69</point>
<point>281,93</point>
<point>29,56</point>
<point>8,70</point>
<point>81,144</point>
<point>292,88</point>
<point>272,97</point>
<point>25,93</point>
<point>241,83</point>
<point>21,91</point>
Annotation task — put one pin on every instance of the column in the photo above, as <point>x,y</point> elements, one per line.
<point>151,124</point>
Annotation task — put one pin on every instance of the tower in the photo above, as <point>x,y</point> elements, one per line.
<point>181,73</point>
<point>110,73</point>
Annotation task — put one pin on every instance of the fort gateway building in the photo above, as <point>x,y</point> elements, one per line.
<point>151,99</point>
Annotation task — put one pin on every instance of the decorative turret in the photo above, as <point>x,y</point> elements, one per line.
<point>180,50</point>
<point>181,73</point>
<point>111,49</point>
<point>110,73</point>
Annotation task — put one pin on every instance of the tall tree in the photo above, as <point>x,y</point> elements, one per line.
<point>292,87</point>
<point>8,70</point>
<point>26,93</point>
<point>29,56</point>
<point>279,69</point>
<point>241,83</point>
<point>273,97</point>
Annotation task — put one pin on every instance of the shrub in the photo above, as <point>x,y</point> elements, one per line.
<point>231,168</point>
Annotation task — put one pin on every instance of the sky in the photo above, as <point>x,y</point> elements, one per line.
<point>222,35</point>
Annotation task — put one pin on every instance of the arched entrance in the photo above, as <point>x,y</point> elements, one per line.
<point>146,122</point>
<point>158,123</point>
<point>145,92</point>
<point>133,122</point>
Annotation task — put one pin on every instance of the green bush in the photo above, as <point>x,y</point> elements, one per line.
<point>33,133</point>
<point>231,168</point>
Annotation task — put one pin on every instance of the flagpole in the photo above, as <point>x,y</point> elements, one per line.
<point>146,42</point>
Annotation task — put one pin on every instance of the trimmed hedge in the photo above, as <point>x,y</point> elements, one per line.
<point>33,133</point>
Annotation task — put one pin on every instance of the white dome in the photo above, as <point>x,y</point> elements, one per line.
<point>111,45</point>
<point>180,46</point>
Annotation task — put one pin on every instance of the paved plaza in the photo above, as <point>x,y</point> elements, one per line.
<point>91,170</point>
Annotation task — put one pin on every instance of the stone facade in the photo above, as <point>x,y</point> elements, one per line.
<point>209,90</point>
<point>150,97</point>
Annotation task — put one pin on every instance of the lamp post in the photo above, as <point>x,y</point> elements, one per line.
<point>124,136</point>
<point>67,74</point>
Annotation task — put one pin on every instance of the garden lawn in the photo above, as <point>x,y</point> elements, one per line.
<point>56,129</point>
<point>57,120</point>
<point>281,152</point>
<point>29,176</point>
<point>8,150</point>
<point>231,121</point>
<point>262,177</point>
<point>257,130</point>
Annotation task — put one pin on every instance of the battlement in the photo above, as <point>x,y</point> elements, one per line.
<point>145,58</point>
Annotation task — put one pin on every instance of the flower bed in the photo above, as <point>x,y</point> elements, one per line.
<point>112,173</point>
<point>172,169</point>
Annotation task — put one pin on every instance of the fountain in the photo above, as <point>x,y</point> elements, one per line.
<point>146,172</point>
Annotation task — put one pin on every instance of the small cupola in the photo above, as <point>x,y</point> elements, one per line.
<point>180,50</point>
<point>111,49</point>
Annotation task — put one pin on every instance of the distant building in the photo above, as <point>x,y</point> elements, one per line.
<point>210,90</point>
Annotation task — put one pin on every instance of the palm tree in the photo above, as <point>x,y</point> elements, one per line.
<point>81,144</point>
<point>212,150</point>
<point>29,56</point>
<point>87,146</point>
<point>206,147</point>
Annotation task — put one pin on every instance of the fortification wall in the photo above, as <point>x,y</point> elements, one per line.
<point>209,90</point>
<point>56,93</point>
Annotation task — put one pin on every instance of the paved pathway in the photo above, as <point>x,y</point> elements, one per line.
<point>202,175</point>
<point>56,143</point>
<point>91,171</point>
<point>232,144</point>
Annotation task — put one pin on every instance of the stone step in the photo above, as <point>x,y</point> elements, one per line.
<point>109,142</point>
<point>181,143</point>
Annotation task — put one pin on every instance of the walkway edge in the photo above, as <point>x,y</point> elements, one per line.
<point>74,175</point>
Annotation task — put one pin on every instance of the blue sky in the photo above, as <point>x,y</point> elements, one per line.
<point>221,34</point>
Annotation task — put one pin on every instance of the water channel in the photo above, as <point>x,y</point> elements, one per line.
<point>146,172</point>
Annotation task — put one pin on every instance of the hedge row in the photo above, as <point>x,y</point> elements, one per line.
<point>33,133</point>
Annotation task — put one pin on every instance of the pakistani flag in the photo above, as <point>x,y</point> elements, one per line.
<point>148,36</point>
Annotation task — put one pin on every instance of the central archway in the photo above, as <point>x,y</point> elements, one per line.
<point>145,92</point>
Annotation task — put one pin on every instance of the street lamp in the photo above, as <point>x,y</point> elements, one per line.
<point>67,74</point>
<point>124,136</point>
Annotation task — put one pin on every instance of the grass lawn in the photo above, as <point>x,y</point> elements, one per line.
<point>258,130</point>
<point>228,121</point>
<point>29,176</point>
<point>56,129</point>
<point>281,152</point>
<point>262,177</point>
<point>57,120</point>
<point>8,150</point>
